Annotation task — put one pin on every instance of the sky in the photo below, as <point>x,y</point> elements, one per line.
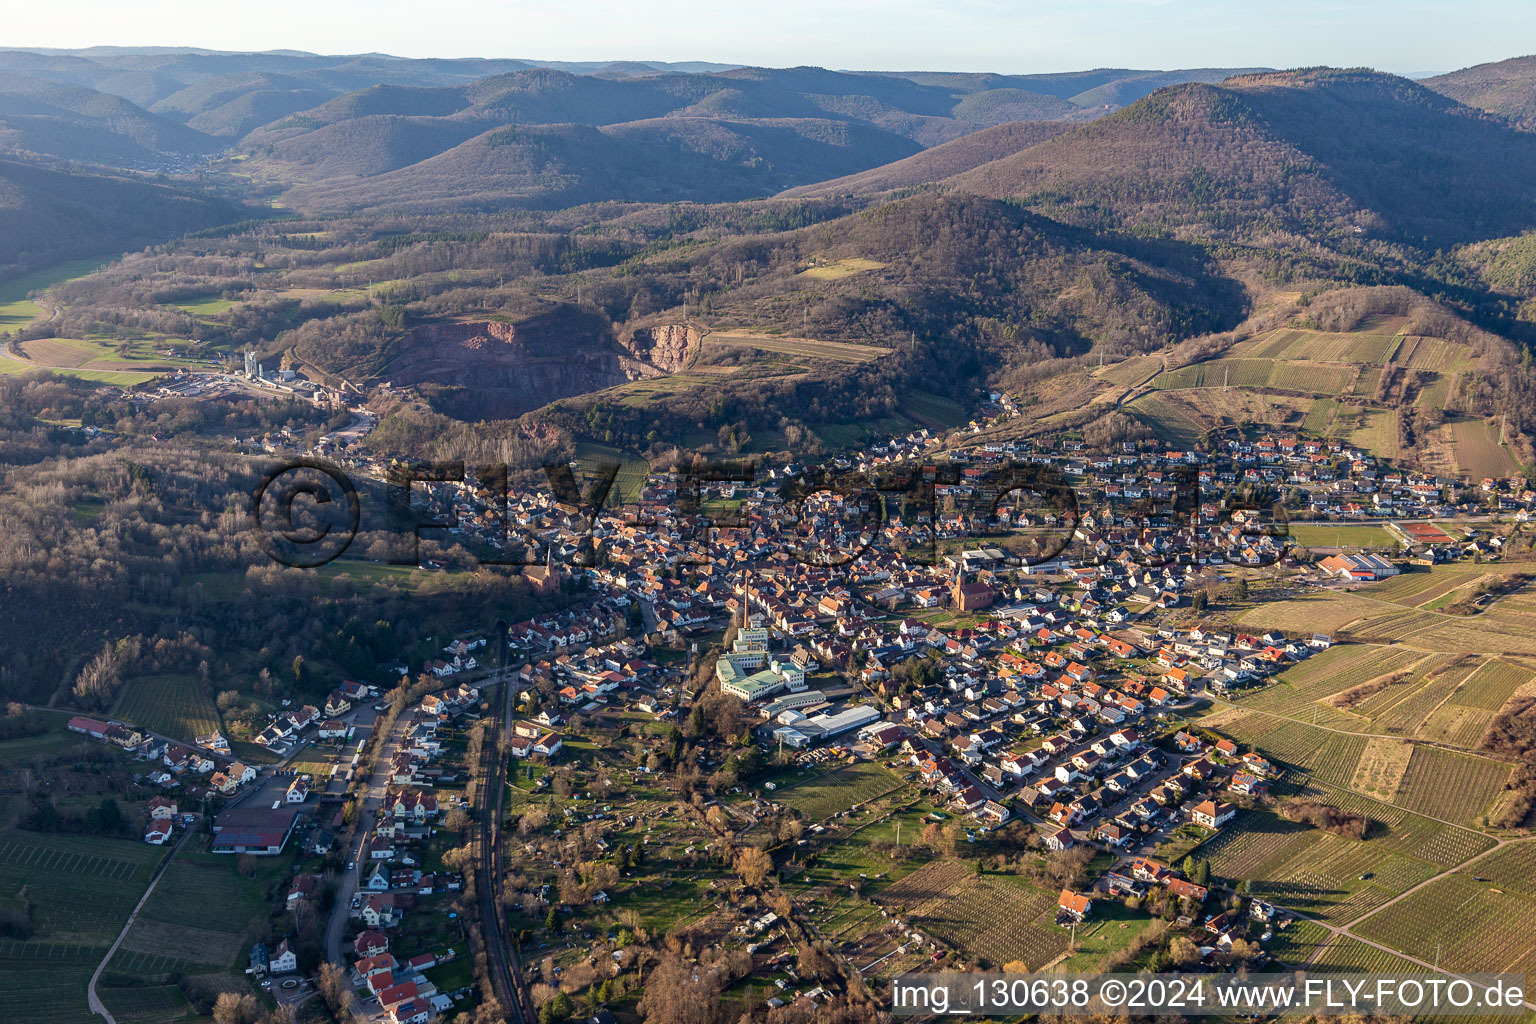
<point>1024,36</point>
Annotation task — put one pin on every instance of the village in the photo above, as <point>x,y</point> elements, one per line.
<point>1027,683</point>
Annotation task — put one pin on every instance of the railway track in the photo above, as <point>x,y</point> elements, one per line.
<point>501,953</point>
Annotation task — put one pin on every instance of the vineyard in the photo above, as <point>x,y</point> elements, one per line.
<point>148,1004</point>
<point>997,918</point>
<point>172,705</point>
<point>1347,954</point>
<point>1491,686</point>
<point>1327,876</point>
<point>81,889</point>
<point>1513,867</point>
<point>48,979</point>
<point>824,795</point>
<point>1399,831</point>
<point>1462,921</point>
<point>1445,784</point>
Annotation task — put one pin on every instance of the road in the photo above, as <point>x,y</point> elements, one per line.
<point>97,1006</point>
<point>367,819</point>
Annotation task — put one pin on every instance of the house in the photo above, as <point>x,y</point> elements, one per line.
<point>283,959</point>
<point>370,943</point>
<point>157,832</point>
<point>298,791</point>
<point>1212,814</point>
<point>304,885</point>
<point>1060,840</point>
<point>161,808</point>
<point>1074,906</point>
<point>1187,890</point>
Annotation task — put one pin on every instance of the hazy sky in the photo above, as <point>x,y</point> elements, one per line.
<point>1406,36</point>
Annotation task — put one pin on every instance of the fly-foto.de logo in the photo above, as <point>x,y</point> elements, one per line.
<point>307,512</point>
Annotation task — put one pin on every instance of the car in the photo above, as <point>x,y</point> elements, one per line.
<point>351,864</point>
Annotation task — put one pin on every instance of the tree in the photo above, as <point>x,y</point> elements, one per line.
<point>1183,951</point>
<point>552,921</point>
<point>557,1009</point>
<point>753,865</point>
<point>1240,591</point>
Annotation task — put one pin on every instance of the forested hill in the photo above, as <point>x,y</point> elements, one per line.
<point>1321,154</point>
<point>1505,88</point>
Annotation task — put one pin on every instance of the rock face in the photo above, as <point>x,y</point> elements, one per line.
<point>669,347</point>
<point>489,369</point>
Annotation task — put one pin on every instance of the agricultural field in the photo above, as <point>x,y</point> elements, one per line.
<point>1513,867</point>
<point>205,305</point>
<point>121,378</point>
<point>172,705</point>
<point>1318,612</point>
<point>1375,430</point>
<point>654,389</point>
<point>1340,668</point>
<point>630,479</point>
<point>81,888</point>
<point>1415,589</point>
<point>1419,353</point>
<point>147,1004</point>
<point>49,979</point>
<point>1403,832</point>
<point>1475,925</point>
<point>1402,708</point>
<point>1473,447</point>
<point>819,795</point>
<point>805,348</point>
<point>934,411</point>
<point>1167,417</point>
<point>1456,726</point>
<point>1372,343</point>
<point>1129,371</point>
<point>104,354</point>
<point>997,918</point>
<point>1347,954</point>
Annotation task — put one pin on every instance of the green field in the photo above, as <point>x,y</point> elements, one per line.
<point>1311,870</point>
<point>172,705</point>
<point>16,310</point>
<point>999,918</point>
<point>204,305</point>
<point>1310,378</point>
<point>121,378</point>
